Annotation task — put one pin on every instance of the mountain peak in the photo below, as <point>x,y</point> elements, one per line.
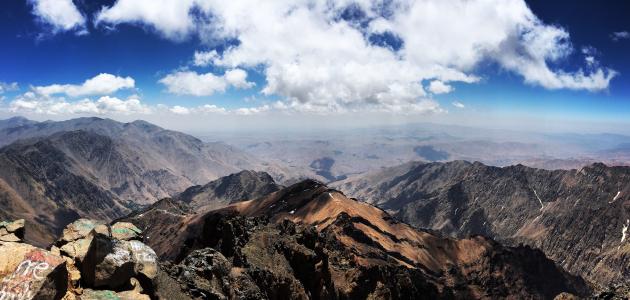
<point>244,185</point>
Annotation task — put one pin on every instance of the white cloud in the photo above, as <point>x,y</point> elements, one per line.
<point>314,59</point>
<point>246,111</point>
<point>8,87</point>
<point>102,84</point>
<point>202,59</point>
<point>169,17</point>
<point>179,110</point>
<point>620,35</point>
<point>458,104</point>
<point>61,15</point>
<point>238,79</point>
<point>31,102</point>
<point>439,87</point>
<point>192,83</point>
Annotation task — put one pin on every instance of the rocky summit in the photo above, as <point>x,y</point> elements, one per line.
<point>307,241</point>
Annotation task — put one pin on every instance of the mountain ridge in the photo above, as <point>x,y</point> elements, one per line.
<point>576,217</point>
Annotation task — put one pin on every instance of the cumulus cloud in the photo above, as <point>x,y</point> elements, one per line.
<point>205,58</point>
<point>195,84</point>
<point>31,102</point>
<point>172,18</point>
<point>458,104</point>
<point>8,87</point>
<point>439,87</point>
<point>102,84</point>
<point>315,55</point>
<point>620,35</point>
<point>61,15</point>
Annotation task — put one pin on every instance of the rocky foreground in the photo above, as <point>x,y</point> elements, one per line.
<point>90,261</point>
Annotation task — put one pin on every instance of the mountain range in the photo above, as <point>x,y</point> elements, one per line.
<point>442,229</point>
<point>54,172</point>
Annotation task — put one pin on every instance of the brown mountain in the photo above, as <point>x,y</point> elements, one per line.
<point>579,218</point>
<point>308,241</point>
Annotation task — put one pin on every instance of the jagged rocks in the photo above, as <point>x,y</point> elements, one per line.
<point>207,274</point>
<point>12,231</point>
<point>38,275</point>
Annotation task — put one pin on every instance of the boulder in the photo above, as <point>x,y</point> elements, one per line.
<point>78,229</point>
<point>38,275</point>
<point>126,231</point>
<point>111,263</point>
<point>12,231</point>
<point>77,237</point>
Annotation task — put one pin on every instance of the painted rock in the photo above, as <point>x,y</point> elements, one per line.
<point>39,275</point>
<point>111,263</point>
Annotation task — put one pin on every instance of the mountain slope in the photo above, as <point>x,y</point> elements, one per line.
<point>324,244</point>
<point>37,183</point>
<point>577,217</point>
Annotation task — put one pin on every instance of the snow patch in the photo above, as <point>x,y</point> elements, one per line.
<point>624,230</point>
<point>542,206</point>
<point>616,197</point>
<point>292,212</point>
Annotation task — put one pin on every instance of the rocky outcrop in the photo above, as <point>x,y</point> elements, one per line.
<point>577,217</point>
<point>90,260</point>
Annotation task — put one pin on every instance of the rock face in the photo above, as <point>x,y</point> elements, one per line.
<point>90,261</point>
<point>577,217</point>
<point>310,242</point>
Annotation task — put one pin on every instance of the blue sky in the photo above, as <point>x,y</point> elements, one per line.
<point>443,61</point>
